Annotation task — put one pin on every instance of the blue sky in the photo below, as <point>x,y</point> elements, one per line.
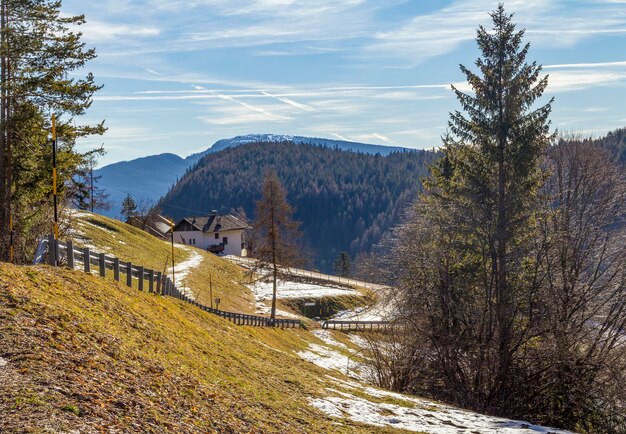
<point>180,75</point>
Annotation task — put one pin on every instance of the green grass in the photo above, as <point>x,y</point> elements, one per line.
<point>132,361</point>
<point>132,244</point>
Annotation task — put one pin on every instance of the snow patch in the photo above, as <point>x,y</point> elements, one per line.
<point>358,340</point>
<point>327,337</point>
<point>423,416</point>
<point>3,362</point>
<point>182,269</point>
<point>288,289</point>
<point>328,358</point>
<point>264,309</point>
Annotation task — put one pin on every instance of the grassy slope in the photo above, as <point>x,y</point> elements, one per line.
<point>91,354</point>
<point>132,244</point>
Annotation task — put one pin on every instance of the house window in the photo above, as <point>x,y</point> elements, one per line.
<point>225,240</point>
<point>217,236</point>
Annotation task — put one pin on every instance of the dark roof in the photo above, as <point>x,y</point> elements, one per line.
<point>215,223</point>
<point>153,224</point>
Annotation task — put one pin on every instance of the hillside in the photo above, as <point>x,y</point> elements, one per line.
<point>193,268</point>
<point>145,178</point>
<point>149,178</point>
<point>82,353</point>
<point>79,353</point>
<point>345,200</point>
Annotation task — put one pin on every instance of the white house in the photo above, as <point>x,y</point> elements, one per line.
<point>221,234</point>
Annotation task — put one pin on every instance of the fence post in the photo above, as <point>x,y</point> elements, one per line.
<point>140,268</point>
<point>150,281</point>
<point>87,260</point>
<point>102,264</point>
<point>116,269</point>
<point>69,248</point>
<point>129,274</point>
<point>51,250</point>
<point>158,283</point>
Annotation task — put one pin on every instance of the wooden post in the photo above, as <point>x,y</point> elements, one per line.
<point>69,250</point>
<point>102,265</point>
<point>129,274</point>
<point>158,282</point>
<point>86,260</point>
<point>51,253</point>
<point>116,269</point>
<point>140,285</point>
<point>150,281</point>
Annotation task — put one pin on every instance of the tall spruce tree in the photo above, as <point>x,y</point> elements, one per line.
<point>275,234</point>
<point>467,274</point>
<point>38,52</point>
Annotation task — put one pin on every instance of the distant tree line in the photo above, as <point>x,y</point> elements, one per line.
<point>345,200</point>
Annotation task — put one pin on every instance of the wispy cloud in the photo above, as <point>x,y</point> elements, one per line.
<point>547,22</point>
<point>290,102</point>
<point>96,31</point>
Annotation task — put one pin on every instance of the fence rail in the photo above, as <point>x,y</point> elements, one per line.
<point>148,280</point>
<point>353,326</point>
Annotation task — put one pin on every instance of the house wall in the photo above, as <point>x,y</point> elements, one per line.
<point>205,240</point>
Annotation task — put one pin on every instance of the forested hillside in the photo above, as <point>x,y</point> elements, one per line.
<point>614,142</point>
<point>345,200</point>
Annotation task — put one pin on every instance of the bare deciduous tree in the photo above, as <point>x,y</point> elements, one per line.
<point>275,234</point>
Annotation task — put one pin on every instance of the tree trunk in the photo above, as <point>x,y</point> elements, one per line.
<point>5,160</point>
<point>274,265</point>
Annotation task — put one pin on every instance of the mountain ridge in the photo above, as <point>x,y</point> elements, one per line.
<point>149,178</point>
<point>345,200</point>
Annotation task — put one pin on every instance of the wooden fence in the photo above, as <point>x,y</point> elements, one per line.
<point>147,280</point>
<point>353,326</point>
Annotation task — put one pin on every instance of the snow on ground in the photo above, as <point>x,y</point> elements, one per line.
<point>287,289</point>
<point>328,358</point>
<point>182,269</point>
<point>264,309</point>
<point>382,310</point>
<point>77,213</point>
<point>3,362</point>
<point>358,340</point>
<point>327,337</point>
<point>414,414</point>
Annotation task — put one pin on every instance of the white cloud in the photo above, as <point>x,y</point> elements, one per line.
<point>563,81</point>
<point>340,137</point>
<point>586,65</point>
<point>101,31</point>
<point>383,138</point>
<point>548,23</point>
<point>290,102</point>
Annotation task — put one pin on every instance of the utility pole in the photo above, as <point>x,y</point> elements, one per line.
<point>173,274</point>
<point>54,178</point>
<point>211,289</point>
<point>91,183</point>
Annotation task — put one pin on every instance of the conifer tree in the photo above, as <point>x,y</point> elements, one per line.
<point>468,265</point>
<point>129,206</point>
<point>83,191</point>
<point>275,234</point>
<point>38,52</point>
<point>343,264</point>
